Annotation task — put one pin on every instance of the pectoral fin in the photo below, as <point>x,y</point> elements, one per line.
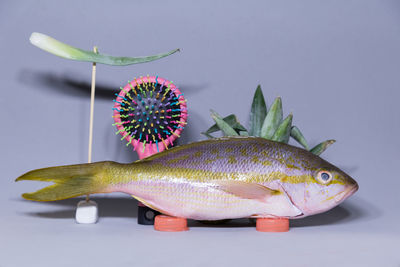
<point>247,190</point>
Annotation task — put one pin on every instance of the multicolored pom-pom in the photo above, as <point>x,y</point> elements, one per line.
<point>149,113</point>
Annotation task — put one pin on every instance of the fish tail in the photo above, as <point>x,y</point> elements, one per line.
<point>69,181</point>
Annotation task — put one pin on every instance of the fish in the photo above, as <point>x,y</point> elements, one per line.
<point>216,179</point>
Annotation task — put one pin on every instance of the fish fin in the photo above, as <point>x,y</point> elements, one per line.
<point>247,190</point>
<point>149,205</point>
<point>69,181</point>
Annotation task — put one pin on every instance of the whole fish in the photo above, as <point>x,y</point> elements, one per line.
<point>216,179</point>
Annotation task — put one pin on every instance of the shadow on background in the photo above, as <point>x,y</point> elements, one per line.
<point>66,84</point>
<point>108,207</point>
<point>358,210</point>
<point>74,86</point>
<point>349,211</point>
<point>69,84</point>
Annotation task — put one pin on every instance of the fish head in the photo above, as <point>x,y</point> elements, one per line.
<point>320,188</point>
<point>327,187</point>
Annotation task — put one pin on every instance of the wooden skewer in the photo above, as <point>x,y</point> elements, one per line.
<point>92,111</point>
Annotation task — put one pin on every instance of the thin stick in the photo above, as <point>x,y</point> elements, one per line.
<point>92,111</point>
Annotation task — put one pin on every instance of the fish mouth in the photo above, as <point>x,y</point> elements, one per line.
<point>345,194</point>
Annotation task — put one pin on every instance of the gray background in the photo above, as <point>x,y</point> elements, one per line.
<point>335,64</point>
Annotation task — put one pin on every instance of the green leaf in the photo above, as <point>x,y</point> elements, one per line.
<point>243,133</point>
<point>209,136</point>
<point>258,112</point>
<point>231,120</point>
<point>282,134</point>
<point>225,127</point>
<point>273,119</point>
<point>299,137</point>
<point>318,149</point>
<point>63,50</point>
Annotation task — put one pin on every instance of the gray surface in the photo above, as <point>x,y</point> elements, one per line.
<point>335,64</point>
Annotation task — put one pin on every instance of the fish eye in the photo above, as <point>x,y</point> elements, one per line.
<point>324,177</point>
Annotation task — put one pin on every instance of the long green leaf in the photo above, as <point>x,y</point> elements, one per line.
<point>282,134</point>
<point>225,127</point>
<point>273,119</point>
<point>258,112</point>
<point>231,120</point>
<point>63,50</point>
<point>299,137</point>
<point>318,149</point>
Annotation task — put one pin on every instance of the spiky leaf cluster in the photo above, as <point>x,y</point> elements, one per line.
<point>268,124</point>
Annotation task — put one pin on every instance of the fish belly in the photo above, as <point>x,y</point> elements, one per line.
<point>203,201</point>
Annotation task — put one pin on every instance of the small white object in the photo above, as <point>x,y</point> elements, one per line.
<point>87,212</point>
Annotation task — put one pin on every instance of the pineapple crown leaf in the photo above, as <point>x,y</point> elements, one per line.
<point>225,127</point>
<point>282,134</point>
<point>232,121</point>
<point>297,135</point>
<point>321,147</point>
<point>273,119</point>
<point>257,113</point>
<point>268,124</point>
